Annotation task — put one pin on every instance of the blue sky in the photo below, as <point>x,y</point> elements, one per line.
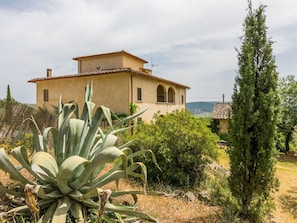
<point>192,42</point>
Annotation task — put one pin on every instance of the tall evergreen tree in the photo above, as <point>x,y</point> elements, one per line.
<point>254,115</point>
<point>8,94</point>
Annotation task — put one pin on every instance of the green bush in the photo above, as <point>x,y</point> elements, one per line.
<point>182,144</point>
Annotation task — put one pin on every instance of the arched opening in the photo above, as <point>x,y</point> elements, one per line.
<point>171,95</point>
<point>160,94</point>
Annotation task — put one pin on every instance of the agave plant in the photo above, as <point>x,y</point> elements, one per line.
<point>66,181</point>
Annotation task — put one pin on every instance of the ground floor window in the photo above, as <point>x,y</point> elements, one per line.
<point>45,95</point>
<point>139,94</point>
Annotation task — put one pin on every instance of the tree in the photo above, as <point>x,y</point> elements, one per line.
<point>8,95</point>
<point>8,107</point>
<point>288,111</point>
<point>254,116</point>
<point>181,143</point>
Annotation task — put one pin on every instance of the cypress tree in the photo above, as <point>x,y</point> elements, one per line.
<point>254,115</point>
<point>8,94</point>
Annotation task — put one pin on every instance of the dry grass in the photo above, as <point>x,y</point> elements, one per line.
<point>286,196</point>
<point>168,209</point>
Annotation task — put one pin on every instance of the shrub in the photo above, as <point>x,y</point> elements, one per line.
<point>182,143</point>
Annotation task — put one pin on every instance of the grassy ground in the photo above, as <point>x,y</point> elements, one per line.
<point>286,197</point>
<point>168,209</point>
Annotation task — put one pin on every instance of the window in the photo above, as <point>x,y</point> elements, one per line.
<point>139,94</point>
<point>182,99</point>
<point>45,95</point>
<point>139,120</point>
<point>171,95</point>
<point>160,94</point>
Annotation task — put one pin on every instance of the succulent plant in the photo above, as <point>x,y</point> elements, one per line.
<point>66,180</point>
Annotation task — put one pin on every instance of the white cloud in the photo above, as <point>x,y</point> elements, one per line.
<point>192,41</point>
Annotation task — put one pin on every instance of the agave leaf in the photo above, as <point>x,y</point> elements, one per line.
<point>76,211</point>
<point>87,111</point>
<point>45,161</point>
<point>7,166</point>
<point>128,211</point>
<point>127,119</point>
<point>37,139</point>
<point>66,172</point>
<point>76,127</point>
<point>4,189</point>
<point>43,195</point>
<point>142,175</point>
<point>62,209</point>
<point>47,217</point>
<point>43,174</point>
<point>142,152</point>
<point>102,181</point>
<point>106,156</point>
<point>89,92</point>
<point>107,114</point>
<point>20,154</point>
<point>67,112</point>
<point>23,208</point>
<point>46,132</point>
<point>108,141</point>
<point>92,134</point>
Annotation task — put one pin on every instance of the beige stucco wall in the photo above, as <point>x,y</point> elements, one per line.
<point>115,91</point>
<point>108,90</point>
<point>121,60</point>
<point>149,97</point>
<point>223,123</point>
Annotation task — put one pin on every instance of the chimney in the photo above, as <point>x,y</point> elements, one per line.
<point>48,73</point>
<point>223,98</point>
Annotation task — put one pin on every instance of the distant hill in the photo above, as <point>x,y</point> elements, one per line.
<point>200,107</point>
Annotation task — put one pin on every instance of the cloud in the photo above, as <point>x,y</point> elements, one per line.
<point>192,42</point>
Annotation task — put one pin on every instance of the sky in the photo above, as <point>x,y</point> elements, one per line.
<point>192,42</point>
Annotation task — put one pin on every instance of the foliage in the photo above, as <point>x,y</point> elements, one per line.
<point>133,108</point>
<point>9,144</point>
<point>253,127</point>
<point>288,109</point>
<point>182,143</point>
<point>66,180</point>
<point>44,118</point>
<point>8,95</point>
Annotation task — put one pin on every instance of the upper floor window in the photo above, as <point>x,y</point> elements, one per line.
<point>45,95</point>
<point>139,94</point>
<point>161,94</point>
<point>171,95</point>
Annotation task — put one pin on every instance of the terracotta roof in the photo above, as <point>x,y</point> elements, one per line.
<point>221,111</point>
<point>109,54</point>
<point>106,72</point>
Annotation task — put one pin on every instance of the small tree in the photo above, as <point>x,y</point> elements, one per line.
<point>181,143</point>
<point>288,111</point>
<point>8,95</point>
<point>253,127</point>
<point>8,107</point>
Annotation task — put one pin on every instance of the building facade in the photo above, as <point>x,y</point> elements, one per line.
<point>119,79</point>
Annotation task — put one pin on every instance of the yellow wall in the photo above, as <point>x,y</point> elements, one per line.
<point>149,96</point>
<point>108,61</point>
<point>115,91</point>
<point>108,90</point>
<point>223,123</point>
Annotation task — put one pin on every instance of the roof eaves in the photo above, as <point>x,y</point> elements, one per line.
<point>106,72</point>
